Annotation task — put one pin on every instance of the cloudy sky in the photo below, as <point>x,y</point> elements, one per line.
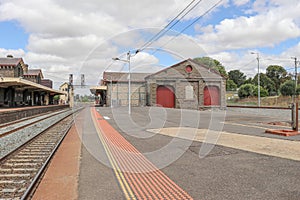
<point>81,37</point>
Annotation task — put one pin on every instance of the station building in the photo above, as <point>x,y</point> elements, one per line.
<point>187,85</point>
<point>64,98</point>
<point>20,86</point>
<point>117,88</point>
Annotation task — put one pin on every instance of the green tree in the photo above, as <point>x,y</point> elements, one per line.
<point>263,92</point>
<point>237,76</point>
<point>248,81</point>
<point>230,85</point>
<point>213,64</point>
<point>56,97</point>
<point>246,90</point>
<point>298,90</point>
<point>266,83</point>
<point>278,75</point>
<point>287,88</point>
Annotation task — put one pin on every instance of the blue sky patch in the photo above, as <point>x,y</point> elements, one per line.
<point>13,36</point>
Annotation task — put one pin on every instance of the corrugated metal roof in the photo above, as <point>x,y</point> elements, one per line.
<point>122,76</point>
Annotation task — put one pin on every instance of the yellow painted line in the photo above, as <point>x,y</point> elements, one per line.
<point>120,177</point>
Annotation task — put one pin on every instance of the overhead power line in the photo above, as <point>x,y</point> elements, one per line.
<point>189,25</point>
<point>170,25</point>
<point>198,18</point>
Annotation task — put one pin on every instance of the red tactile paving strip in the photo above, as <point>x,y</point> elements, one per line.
<point>282,132</point>
<point>61,178</point>
<point>138,177</point>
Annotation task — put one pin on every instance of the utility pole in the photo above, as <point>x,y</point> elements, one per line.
<point>71,91</point>
<point>296,74</point>
<point>129,55</point>
<point>258,78</point>
<point>295,102</point>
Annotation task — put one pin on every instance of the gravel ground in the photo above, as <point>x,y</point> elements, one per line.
<point>23,123</point>
<point>10,142</point>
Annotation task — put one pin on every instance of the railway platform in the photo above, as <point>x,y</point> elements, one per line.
<point>13,114</point>
<point>103,159</point>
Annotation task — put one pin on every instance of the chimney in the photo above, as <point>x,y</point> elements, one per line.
<point>9,56</point>
<point>26,69</point>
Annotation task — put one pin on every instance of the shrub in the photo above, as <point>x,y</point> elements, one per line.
<point>288,88</point>
<point>246,90</point>
<point>263,92</point>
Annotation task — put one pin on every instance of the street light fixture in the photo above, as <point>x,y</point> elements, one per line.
<point>258,78</point>
<point>129,55</point>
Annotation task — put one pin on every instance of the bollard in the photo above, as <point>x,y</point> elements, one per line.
<point>295,116</point>
<point>294,109</point>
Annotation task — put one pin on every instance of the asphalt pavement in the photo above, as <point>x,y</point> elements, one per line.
<point>223,173</point>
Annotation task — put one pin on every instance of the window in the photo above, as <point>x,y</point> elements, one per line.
<point>189,69</point>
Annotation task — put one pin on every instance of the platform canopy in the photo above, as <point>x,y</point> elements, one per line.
<point>22,84</point>
<point>95,89</point>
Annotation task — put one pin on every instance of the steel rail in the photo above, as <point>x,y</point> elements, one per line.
<point>26,125</point>
<point>36,175</point>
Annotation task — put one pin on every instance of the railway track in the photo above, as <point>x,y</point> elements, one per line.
<point>11,127</point>
<point>22,167</point>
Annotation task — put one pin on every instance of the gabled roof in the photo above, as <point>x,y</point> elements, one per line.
<point>123,77</point>
<point>64,84</point>
<point>34,72</point>
<point>10,61</point>
<point>190,61</point>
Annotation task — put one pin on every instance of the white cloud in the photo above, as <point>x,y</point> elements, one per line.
<point>240,2</point>
<point>82,36</point>
<point>15,52</point>
<point>67,47</point>
<point>248,32</point>
<point>293,51</point>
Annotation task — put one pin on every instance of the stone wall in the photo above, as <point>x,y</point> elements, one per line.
<point>11,71</point>
<point>189,94</point>
<point>12,115</point>
<point>188,85</point>
<point>7,71</point>
<point>117,93</point>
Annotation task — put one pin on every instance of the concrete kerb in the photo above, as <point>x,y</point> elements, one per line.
<point>284,114</point>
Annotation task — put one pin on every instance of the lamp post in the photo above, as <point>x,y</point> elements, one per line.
<point>258,78</point>
<point>129,79</point>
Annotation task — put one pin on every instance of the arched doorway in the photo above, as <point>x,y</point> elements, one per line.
<point>165,96</point>
<point>211,96</point>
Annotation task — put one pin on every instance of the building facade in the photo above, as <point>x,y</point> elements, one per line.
<point>117,88</point>
<point>34,75</point>
<point>12,67</point>
<point>64,98</point>
<point>20,86</point>
<point>47,82</point>
<point>186,85</point>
